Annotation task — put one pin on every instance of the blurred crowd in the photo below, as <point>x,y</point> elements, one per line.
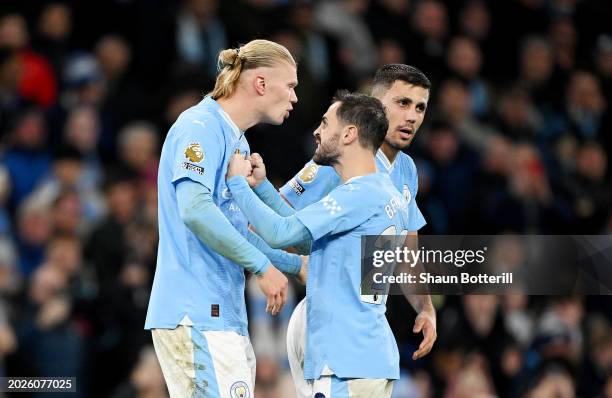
<point>516,139</point>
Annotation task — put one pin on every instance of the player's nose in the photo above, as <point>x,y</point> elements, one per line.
<point>411,115</point>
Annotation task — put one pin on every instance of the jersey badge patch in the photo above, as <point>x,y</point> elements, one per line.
<point>194,153</point>
<point>308,173</point>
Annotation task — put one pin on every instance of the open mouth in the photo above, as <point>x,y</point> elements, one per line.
<point>406,132</point>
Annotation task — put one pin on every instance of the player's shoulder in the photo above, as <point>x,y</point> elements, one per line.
<point>367,189</point>
<point>380,188</point>
<point>312,172</point>
<point>406,161</point>
<point>390,198</point>
<point>379,194</point>
<point>408,169</point>
<point>199,118</point>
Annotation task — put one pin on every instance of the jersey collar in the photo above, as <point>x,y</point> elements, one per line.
<point>225,116</point>
<point>380,155</point>
<point>352,179</point>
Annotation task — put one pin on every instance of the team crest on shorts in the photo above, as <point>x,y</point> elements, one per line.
<point>407,194</point>
<point>194,152</point>
<point>309,173</point>
<point>240,389</point>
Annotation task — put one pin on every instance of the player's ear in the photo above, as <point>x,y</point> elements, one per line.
<point>350,134</point>
<point>260,84</point>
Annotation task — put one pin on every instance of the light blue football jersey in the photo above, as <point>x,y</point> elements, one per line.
<point>193,283</point>
<point>347,334</point>
<point>314,182</point>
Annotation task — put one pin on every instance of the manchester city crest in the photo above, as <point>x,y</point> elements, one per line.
<point>240,389</point>
<point>407,194</point>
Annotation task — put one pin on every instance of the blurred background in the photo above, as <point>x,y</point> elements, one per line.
<point>516,139</point>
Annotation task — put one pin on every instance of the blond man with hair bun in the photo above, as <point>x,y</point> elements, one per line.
<point>197,311</point>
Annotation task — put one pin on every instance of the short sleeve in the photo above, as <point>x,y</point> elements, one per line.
<point>416,220</point>
<point>198,150</point>
<point>310,185</point>
<point>339,211</point>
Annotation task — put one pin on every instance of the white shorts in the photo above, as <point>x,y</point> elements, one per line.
<point>326,386</point>
<point>334,387</point>
<point>296,343</point>
<point>215,364</point>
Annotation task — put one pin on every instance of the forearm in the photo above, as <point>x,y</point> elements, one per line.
<point>208,223</point>
<point>270,196</point>
<point>283,261</point>
<point>277,231</point>
<point>420,302</point>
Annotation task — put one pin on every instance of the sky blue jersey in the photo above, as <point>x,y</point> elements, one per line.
<point>191,279</point>
<point>314,182</point>
<point>347,334</point>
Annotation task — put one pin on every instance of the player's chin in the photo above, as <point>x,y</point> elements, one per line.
<point>404,142</point>
<point>279,120</point>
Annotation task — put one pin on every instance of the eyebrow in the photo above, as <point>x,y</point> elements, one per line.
<point>408,99</point>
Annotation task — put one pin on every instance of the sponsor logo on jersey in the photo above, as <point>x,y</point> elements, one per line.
<point>296,186</point>
<point>308,173</point>
<point>193,167</point>
<point>194,152</point>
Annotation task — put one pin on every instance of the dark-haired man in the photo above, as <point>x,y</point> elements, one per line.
<point>404,91</point>
<point>350,133</point>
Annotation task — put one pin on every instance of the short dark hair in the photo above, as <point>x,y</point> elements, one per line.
<point>365,112</point>
<point>390,73</point>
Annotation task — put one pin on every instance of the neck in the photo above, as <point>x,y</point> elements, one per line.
<point>389,151</point>
<point>234,107</point>
<point>356,164</point>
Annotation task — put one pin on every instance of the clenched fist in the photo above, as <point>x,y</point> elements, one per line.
<point>259,170</point>
<point>239,165</point>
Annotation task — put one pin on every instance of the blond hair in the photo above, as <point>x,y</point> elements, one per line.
<point>255,54</point>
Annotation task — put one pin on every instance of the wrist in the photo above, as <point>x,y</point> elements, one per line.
<point>297,264</point>
<point>262,186</point>
<point>425,306</point>
<point>236,180</point>
<point>263,267</point>
<point>429,311</point>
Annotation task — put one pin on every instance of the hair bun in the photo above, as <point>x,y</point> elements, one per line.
<point>229,58</point>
